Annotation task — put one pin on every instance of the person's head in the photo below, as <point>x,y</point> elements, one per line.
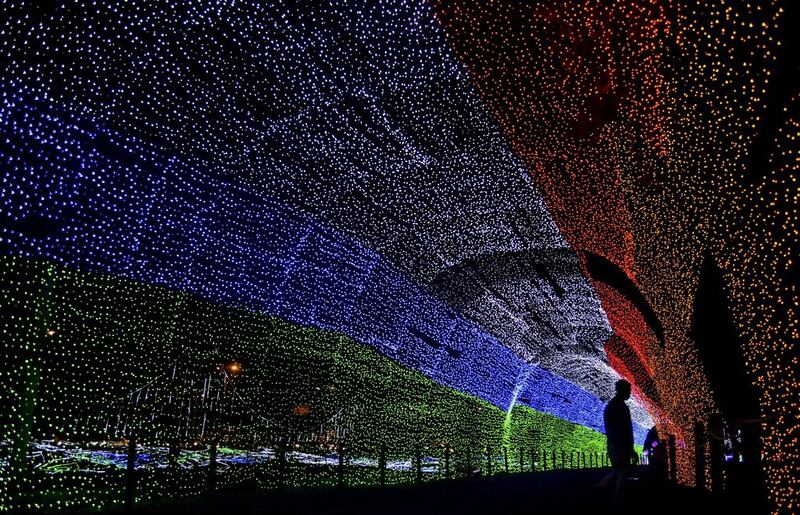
<point>623,388</point>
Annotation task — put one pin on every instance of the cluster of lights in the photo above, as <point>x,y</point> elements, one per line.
<point>166,180</point>
<point>274,260</point>
<point>178,174</point>
<point>576,89</point>
<point>380,135</point>
<point>660,133</point>
<point>252,383</point>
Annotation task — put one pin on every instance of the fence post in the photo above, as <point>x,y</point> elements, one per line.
<point>447,452</point>
<point>418,457</point>
<point>130,473</point>
<point>563,465</point>
<point>583,458</point>
<point>212,468</point>
<point>571,459</point>
<point>505,458</point>
<point>281,464</point>
<point>173,454</point>
<point>553,462</point>
<point>382,465</point>
<point>340,465</point>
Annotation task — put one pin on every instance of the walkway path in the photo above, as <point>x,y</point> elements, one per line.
<point>559,492</point>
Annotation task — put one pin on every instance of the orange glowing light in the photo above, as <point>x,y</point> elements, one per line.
<point>302,410</point>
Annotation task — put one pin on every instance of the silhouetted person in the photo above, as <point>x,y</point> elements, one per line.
<point>619,439</point>
<point>655,449</point>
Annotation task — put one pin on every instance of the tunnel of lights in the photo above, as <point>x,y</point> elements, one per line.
<point>407,230</point>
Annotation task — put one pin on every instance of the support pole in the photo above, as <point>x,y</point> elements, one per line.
<point>700,455</point>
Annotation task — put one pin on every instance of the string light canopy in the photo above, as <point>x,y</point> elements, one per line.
<point>653,131</point>
<point>314,229</point>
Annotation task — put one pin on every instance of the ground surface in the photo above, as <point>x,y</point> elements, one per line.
<point>568,491</point>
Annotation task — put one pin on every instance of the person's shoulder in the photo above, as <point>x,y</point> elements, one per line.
<point>616,404</point>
